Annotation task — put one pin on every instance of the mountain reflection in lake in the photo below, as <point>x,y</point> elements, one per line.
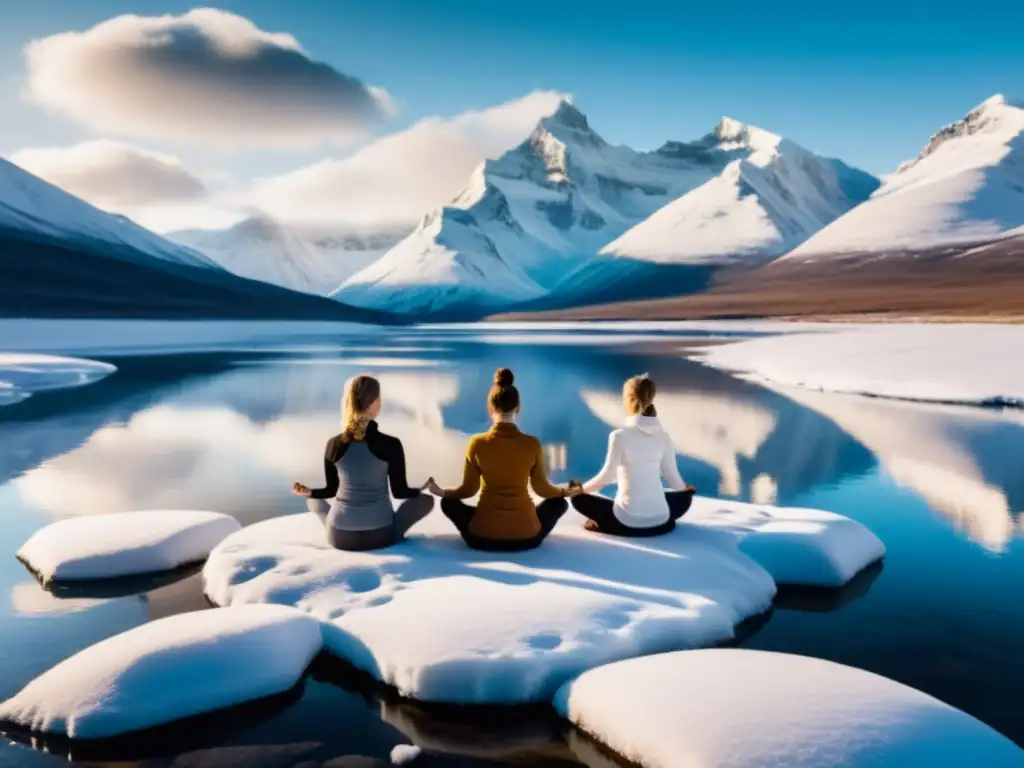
<point>944,487</point>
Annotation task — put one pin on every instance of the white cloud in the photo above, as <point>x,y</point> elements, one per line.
<point>397,178</point>
<point>150,187</point>
<point>207,76</point>
<point>112,175</point>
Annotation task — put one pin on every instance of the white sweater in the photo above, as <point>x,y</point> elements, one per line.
<point>640,455</point>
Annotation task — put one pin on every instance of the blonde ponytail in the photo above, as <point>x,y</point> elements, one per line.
<point>360,393</point>
<point>638,394</point>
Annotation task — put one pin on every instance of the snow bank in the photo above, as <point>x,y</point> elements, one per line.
<point>806,547</point>
<point>23,374</point>
<point>176,667</point>
<point>970,364</point>
<point>124,544</point>
<point>441,622</point>
<point>735,708</point>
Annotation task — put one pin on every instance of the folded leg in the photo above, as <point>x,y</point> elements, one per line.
<point>459,512</point>
<point>549,512</point>
<point>678,503</point>
<point>411,511</point>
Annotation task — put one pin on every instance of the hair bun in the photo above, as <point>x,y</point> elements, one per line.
<point>503,377</point>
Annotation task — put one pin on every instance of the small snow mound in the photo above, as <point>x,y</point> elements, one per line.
<point>169,669</point>
<point>23,374</point>
<point>124,544</point>
<point>405,753</point>
<point>502,629</point>
<point>736,708</point>
<point>800,547</point>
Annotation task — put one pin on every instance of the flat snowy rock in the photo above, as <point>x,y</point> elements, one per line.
<point>21,374</point>
<point>968,364</point>
<point>169,669</point>
<point>124,544</point>
<point>734,708</point>
<point>441,622</point>
<point>805,547</point>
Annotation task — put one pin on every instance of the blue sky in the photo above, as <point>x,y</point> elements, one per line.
<point>867,81</point>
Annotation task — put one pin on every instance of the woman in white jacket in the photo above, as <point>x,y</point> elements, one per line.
<point>640,457</point>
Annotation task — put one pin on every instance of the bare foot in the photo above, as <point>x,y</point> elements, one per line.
<point>592,526</point>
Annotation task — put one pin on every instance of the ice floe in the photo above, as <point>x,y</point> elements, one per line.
<point>441,622</point>
<point>22,374</point>
<point>805,547</point>
<point>968,364</point>
<point>124,543</point>
<point>169,669</point>
<point>734,708</point>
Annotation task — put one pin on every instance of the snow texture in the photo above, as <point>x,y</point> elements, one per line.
<point>263,249</point>
<point>23,374</point>
<point>124,544</point>
<point>806,547</point>
<point>966,186</point>
<point>506,630</point>
<point>441,622</point>
<point>733,708</point>
<point>967,364</point>
<point>532,216</point>
<point>169,669</point>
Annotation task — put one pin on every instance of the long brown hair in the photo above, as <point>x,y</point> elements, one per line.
<point>360,393</point>
<point>503,397</point>
<point>638,393</point>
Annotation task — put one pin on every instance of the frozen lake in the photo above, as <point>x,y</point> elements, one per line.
<point>230,430</point>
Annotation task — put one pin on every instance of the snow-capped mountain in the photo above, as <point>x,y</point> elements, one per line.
<point>758,208</point>
<point>551,207</point>
<point>965,188</point>
<point>36,208</point>
<point>261,248</point>
<point>61,257</point>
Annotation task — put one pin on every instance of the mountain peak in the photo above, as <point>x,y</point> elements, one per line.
<point>1000,118</point>
<point>729,129</point>
<point>569,116</point>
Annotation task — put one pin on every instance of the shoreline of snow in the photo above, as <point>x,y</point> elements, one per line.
<point>951,365</point>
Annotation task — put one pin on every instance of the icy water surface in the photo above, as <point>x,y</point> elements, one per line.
<point>943,487</point>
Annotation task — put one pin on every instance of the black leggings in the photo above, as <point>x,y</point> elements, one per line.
<point>600,510</point>
<point>460,513</point>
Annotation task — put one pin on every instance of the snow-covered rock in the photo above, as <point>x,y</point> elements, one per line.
<point>805,547</point>
<point>405,753</point>
<point>263,249</point>
<point>511,629</point>
<point>538,213</point>
<point>966,186</point>
<point>21,374</point>
<point>169,669</point>
<point>441,622</point>
<point>969,364</point>
<point>733,708</point>
<point>124,544</point>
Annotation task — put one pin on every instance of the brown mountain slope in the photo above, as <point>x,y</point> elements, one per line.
<point>978,281</point>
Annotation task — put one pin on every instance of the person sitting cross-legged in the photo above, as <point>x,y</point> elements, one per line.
<point>500,464</point>
<point>640,458</point>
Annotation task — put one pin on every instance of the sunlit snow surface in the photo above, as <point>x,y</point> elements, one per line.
<point>21,374</point>
<point>733,708</point>
<point>441,622</point>
<point>967,364</point>
<point>169,669</point>
<point>124,544</point>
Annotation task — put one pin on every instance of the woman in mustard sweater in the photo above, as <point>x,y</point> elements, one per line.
<point>500,464</point>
